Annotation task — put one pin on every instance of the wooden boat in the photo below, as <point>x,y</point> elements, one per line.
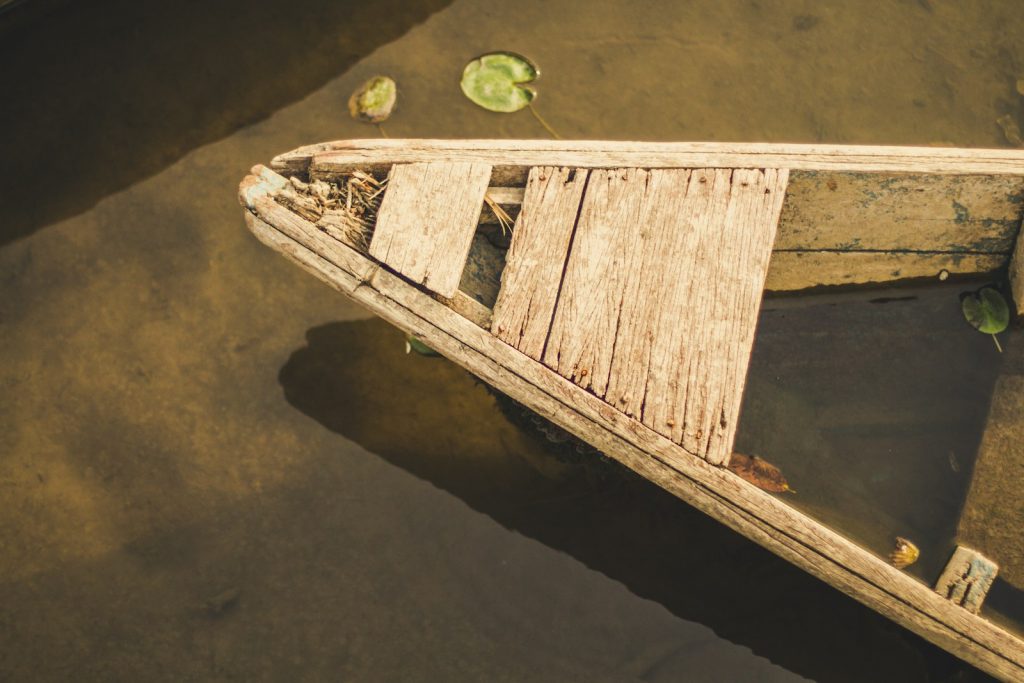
<point>623,308</point>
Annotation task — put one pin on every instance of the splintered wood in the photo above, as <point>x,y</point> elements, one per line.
<point>656,308</point>
<point>427,220</point>
<point>536,258</point>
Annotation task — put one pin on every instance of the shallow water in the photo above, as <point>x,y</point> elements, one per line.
<point>214,467</point>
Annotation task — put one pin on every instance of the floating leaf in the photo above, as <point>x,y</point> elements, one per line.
<point>494,81</point>
<point>904,554</point>
<point>414,344</point>
<point>986,310</point>
<point>759,472</point>
<point>373,100</point>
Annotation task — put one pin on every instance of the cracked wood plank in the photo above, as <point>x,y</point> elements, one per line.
<point>660,296</point>
<point>606,250</point>
<point>344,155</point>
<point>536,257</point>
<point>427,220</point>
<point>966,579</point>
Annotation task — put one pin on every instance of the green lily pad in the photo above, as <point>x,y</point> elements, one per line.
<point>986,310</point>
<point>495,81</point>
<point>373,100</point>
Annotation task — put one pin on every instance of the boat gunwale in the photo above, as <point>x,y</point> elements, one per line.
<point>337,155</point>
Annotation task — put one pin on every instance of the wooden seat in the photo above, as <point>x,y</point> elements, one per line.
<point>643,287</point>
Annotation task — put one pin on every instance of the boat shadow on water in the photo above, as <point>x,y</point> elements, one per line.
<point>430,418</point>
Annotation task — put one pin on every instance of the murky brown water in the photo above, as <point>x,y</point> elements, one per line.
<point>215,468</point>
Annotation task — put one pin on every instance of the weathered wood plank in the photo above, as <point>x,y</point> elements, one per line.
<point>427,220</point>
<point>660,296</point>
<point>759,516</point>
<point>659,291</point>
<point>536,258</point>
<point>896,212</point>
<point>348,154</point>
<point>605,252</point>
<point>793,270</point>
<point>966,579</point>
<point>993,516</point>
<point>1017,273</point>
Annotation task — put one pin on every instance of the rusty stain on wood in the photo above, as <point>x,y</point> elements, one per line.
<point>967,578</point>
<point>427,220</point>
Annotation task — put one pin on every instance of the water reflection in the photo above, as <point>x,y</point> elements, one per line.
<point>429,417</point>
<point>129,87</point>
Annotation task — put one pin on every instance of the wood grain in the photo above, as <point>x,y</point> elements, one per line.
<point>660,296</point>
<point>794,270</point>
<point>605,255</point>
<point>348,154</point>
<point>966,579</point>
<point>536,257</point>
<point>427,220</point>
<point>1017,273</point>
<point>900,212</point>
<point>724,496</point>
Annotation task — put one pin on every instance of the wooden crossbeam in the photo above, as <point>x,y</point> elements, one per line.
<point>427,219</point>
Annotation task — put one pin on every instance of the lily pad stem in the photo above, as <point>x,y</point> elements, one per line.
<point>380,127</point>
<point>998,345</point>
<point>544,123</point>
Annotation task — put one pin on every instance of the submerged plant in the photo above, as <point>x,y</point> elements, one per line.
<point>373,101</point>
<point>987,311</point>
<point>414,344</point>
<point>495,81</point>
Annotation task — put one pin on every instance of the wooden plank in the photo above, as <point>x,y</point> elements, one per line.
<point>348,154</point>
<point>966,579</point>
<point>660,296</point>
<point>427,220</point>
<point>536,258</point>
<point>605,254</point>
<point>897,212</point>
<point>756,514</point>
<point>1017,274</point>
<point>993,516</point>
<point>793,270</point>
